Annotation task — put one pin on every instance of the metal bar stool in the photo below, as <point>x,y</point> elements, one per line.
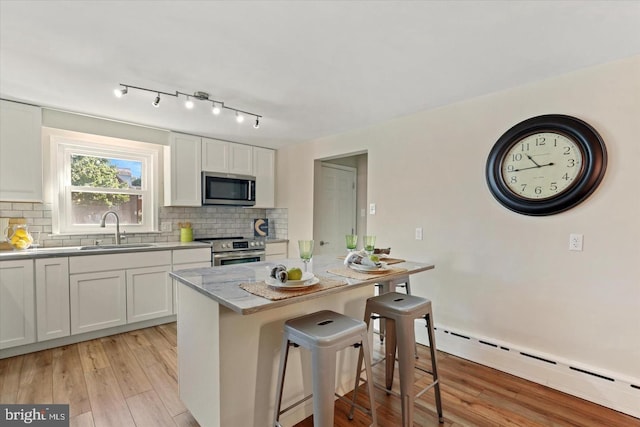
<point>400,311</point>
<point>324,333</point>
<point>391,286</point>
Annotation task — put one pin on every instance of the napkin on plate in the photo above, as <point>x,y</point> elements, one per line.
<point>360,258</point>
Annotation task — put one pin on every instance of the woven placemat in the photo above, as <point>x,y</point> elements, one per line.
<point>352,274</point>
<point>263,290</point>
<point>389,261</point>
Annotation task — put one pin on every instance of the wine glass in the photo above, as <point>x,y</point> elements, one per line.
<point>352,242</point>
<point>369,244</point>
<point>306,251</point>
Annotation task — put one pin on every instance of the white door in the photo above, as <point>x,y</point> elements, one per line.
<point>17,303</point>
<point>149,293</point>
<point>336,213</point>
<point>97,300</point>
<point>52,298</point>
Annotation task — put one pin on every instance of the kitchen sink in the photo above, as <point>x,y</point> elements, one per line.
<point>121,246</point>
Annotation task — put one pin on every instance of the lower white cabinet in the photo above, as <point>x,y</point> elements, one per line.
<point>275,250</point>
<point>17,303</point>
<point>149,293</point>
<point>52,298</point>
<point>97,300</point>
<point>188,258</point>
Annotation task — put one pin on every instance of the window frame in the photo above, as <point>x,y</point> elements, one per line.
<point>62,149</point>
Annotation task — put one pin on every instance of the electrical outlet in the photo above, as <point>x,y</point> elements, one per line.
<point>575,242</point>
<point>165,226</point>
<point>372,208</point>
<point>419,233</point>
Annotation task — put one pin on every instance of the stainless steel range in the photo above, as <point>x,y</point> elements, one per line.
<point>234,250</point>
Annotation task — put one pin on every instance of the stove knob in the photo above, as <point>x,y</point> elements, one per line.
<point>253,243</point>
<point>224,245</point>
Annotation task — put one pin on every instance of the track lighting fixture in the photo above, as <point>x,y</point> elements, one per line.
<point>120,92</point>
<point>216,108</point>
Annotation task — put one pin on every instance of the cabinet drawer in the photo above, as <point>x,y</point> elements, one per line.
<point>90,263</point>
<point>279,248</point>
<point>187,256</point>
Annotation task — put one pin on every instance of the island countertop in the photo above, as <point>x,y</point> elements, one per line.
<point>221,283</point>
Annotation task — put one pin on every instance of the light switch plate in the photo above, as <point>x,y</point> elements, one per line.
<point>165,226</point>
<point>419,233</point>
<point>372,208</point>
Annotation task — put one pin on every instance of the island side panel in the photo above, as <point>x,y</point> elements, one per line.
<point>250,353</point>
<point>199,355</point>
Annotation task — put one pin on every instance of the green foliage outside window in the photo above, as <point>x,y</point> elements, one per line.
<point>87,171</point>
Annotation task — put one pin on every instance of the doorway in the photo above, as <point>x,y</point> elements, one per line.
<point>340,197</point>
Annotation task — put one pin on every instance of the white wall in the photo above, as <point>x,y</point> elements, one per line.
<point>498,274</point>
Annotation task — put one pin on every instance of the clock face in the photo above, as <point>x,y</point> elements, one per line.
<point>546,164</point>
<point>542,165</point>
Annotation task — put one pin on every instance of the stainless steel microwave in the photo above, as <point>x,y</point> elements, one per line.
<point>228,189</point>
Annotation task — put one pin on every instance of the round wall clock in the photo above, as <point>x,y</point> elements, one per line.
<point>546,164</point>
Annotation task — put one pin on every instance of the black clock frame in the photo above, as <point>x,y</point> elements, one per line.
<point>594,164</point>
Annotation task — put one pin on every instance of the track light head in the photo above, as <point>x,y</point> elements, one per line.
<point>256,125</point>
<point>120,92</point>
<point>188,103</point>
<point>239,117</point>
<point>156,102</point>
<point>216,109</point>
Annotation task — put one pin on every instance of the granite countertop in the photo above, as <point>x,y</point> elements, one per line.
<point>107,249</point>
<point>221,283</point>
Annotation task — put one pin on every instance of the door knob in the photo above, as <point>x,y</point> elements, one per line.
<point>322,243</point>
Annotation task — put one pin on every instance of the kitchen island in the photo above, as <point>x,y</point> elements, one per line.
<point>229,339</point>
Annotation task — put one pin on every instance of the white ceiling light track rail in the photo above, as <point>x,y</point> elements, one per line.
<point>216,106</point>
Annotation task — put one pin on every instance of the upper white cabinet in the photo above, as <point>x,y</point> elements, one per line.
<point>264,162</point>
<point>182,177</point>
<point>20,152</point>
<point>226,157</point>
<point>17,303</point>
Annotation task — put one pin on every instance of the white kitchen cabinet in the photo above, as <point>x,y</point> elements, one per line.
<point>264,164</point>
<point>275,251</point>
<point>115,289</point>
<point>17,303</point>
<point>20,152</point>
<point>226,157</point>
<point>52,298</point>
<point>97,300</point>
<point>149,293</point>
<point>215,155</point>
<point>241,159</point>
<point>182,167</point>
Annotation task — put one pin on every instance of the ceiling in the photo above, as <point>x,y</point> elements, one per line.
<point>310,68</point>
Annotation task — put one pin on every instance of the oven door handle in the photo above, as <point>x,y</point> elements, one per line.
<point>239,255</point>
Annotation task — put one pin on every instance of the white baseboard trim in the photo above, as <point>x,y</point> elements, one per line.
<point>589,383</point>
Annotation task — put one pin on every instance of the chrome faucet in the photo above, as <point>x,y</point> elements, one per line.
<point>103,224</point>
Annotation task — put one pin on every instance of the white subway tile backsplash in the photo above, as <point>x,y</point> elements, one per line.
<point>207,221</point>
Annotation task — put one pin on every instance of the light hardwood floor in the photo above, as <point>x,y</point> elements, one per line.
<point>131,380</point>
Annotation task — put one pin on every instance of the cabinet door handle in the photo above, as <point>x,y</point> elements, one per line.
<point>322,243</point>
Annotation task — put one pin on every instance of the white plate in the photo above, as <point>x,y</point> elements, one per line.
<point>273,283</point>
<point>370,269</point>
<point>305,278</point>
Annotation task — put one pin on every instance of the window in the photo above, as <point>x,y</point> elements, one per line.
<point>97,174</point>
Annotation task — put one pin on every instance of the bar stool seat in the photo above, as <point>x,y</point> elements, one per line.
<point>323,333</point>
<point>400,311</point>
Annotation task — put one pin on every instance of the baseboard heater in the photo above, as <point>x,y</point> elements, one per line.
<point>603,388</point>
